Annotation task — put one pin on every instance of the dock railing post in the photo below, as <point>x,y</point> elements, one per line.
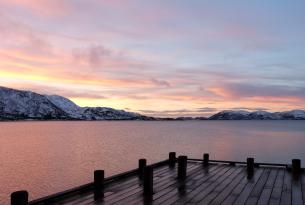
<point>206,158</point>
<point>250,167</point>
<point>20,198</point>
<point>172,159</point>
<point>142,164</point>
<point>182,165</point>
<point>99,176</point>
<point>296,168</point>
<point>148,188</point>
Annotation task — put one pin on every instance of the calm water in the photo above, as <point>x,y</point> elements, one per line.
<point>48,157</point>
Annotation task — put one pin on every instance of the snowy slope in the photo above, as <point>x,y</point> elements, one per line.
<point>17,105</point>
<point>104,113</point>
<point>92,113</point>
<point>259,115</point>
<point>231,115</point>
<point>294,114</point>
<point>67,105</point>
<point>263,115</point>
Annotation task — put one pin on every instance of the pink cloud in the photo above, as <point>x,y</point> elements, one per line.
<point>43,7</point>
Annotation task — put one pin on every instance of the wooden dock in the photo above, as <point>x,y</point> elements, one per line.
<point>187,181</point>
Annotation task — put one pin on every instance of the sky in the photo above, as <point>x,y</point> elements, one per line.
<point>156,57</point>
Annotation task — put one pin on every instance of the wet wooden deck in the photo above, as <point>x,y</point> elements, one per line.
<point>214,184</point>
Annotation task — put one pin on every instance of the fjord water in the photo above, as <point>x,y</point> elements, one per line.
<point>48,157</point>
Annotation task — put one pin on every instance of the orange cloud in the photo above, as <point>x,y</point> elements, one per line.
<point>16,54</point>
<point>220,91</point>
<point>258,91</point>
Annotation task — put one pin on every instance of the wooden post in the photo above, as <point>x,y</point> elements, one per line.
<point>148,181</point>
<point>206,159</point>
<point>250,167</point>
<point>20,198</point>
<point>142,164</point>
<point>172,159</point>
<point>182,165</point>
<point>296,168</point>
<point>232,164</point>
<point>99,176</point>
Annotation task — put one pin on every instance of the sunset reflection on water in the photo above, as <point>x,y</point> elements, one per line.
<point>48,157</point>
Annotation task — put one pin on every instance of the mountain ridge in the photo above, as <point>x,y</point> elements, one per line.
<point>258,115</point>
<point>28,105</point>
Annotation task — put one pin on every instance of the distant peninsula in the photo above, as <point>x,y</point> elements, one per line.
<point>28,105</point>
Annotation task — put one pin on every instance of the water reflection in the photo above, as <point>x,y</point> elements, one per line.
<point>47,157</point>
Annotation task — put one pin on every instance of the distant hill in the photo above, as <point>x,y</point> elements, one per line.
<point>258,115</point>
<point>27,105</point>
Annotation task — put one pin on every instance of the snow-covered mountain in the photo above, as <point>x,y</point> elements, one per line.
<point>16,104</point>
<point>231,115</point>
<point>19,105</point>
<point>293,115</point>
<point>263,115</point>
<point>25,105</point>
<point>258,115</point>
<point>103,113</point>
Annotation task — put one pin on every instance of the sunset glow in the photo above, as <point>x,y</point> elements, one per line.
<point>159,58</point>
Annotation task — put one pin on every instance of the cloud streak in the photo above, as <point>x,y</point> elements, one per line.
<point>246,90</point>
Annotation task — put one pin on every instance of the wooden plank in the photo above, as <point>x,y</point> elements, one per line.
<point>218,188</point>
<point>267,190</point>
<point>241,163</point>
<point>205,188</point>
<point>215,184</point>
<point>133,180</point>
<point>171,194</point>
<point>88,187</point>
<point>277,188</point>
<point>89,198</point>
<point>173,179</point>
<point>160,186</point>
<point>194,188</point>
<point>243,196</point>
<point>170,190</point>
<point>122,195</point>
<point>258,188</point>
<point>169,186</point>
<point>113,187</point>
<point>286,191</point>
<point>226,192</point>
<point>240,187</point>
<point>184,188</point>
